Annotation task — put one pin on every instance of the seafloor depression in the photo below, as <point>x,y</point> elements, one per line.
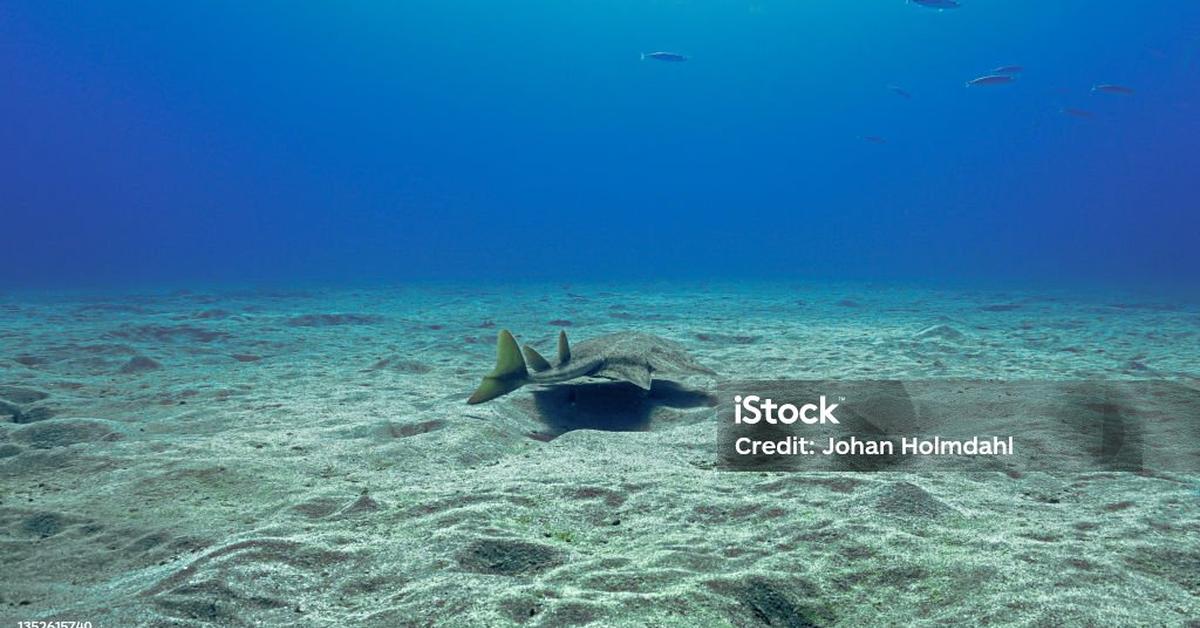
<point>306,456</point>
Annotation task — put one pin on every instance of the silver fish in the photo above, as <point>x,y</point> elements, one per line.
<point>937,4</point>
<point>1076,113</point>
<point>1008,69</point>
<point>664,56</point>
<point>991,79</point>
<point>1109,88</point>
<point>874,139</point>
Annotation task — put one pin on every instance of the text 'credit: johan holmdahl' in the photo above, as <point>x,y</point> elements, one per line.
<point>751,410</point>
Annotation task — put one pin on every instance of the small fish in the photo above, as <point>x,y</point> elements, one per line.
<point>1008,69</point>
<point>899,91</point>
<point>1109,88</point>
<point>664,56</point>
<point>874,139</point>
<point>937,4</point>
<point>1076,113</point>
<point>991,79</point>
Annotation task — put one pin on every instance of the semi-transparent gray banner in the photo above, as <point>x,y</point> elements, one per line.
<point>958,425</point>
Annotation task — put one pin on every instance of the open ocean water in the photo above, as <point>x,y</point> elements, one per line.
<point>257,257</point>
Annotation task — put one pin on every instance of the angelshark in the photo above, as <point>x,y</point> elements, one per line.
<point>628,356</point>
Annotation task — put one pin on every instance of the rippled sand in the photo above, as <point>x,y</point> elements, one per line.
<point>236,457</point>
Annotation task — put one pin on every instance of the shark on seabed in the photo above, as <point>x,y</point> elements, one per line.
<point>626,356</point>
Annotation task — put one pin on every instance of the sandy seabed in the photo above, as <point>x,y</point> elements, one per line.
<point>275,457</point>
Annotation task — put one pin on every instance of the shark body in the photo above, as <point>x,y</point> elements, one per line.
<point>632,357</point>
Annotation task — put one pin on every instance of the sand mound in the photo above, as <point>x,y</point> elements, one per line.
<point>66,432</point>
<point>903,500</point>
<point>508,558</point>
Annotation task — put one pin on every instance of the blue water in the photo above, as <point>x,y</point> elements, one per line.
<point>426,139</point>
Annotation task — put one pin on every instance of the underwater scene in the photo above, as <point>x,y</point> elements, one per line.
<point>573,313</point>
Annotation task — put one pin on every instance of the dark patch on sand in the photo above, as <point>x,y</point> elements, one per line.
<point>835,484</point>
<point>44,524</point>
<point>167,333</point>
<point>10,412</point>
<point>31,361</point>
<point>35,414</point>
<point>1179,565</point>
<point>139,364</point>
<point>1152,307</point>
<point>768,603</point>
<point>318,507</point>
<point>109,308</point>
<point>405,430</point>
<point>521,608</point>
<point>65,432</point>
<point>213,314</point>
<point>330,320</point>
<point>364,504</point>
<point>21,394</point>
<point>508,558</point>
<point>611,498</point>
<point>401,365</point>
<point>907,500</point>
<point>728,339</point>
<point>620,314</point>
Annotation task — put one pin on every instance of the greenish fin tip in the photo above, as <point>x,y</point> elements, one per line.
<point>534,360</point>
<point>564,349</point>
<point>510,372</point>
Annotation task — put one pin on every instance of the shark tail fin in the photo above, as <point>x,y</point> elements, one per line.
<point>564,349</point>
<point>643,56</point>
<point>535,360</point>
<point>510,372</point>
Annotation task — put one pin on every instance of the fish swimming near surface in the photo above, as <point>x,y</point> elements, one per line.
<point>874,139</point>
<point>899,91</point>
<point>1076,113</point>
<point>1109,88</point>
<point>664,56</point>
<point>627,356</point>
<point>1008,69</point>
<point>991,79</point>
<point>937,4</point>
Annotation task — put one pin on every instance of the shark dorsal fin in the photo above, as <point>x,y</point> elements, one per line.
<point>510,372</point>
<point>535,360</point>
<point>564,349</point>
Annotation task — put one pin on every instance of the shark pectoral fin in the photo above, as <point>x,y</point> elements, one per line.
<point>564,349</point>
<point>535,360</point>
<point>510,372</point>
<point>637,375</point>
